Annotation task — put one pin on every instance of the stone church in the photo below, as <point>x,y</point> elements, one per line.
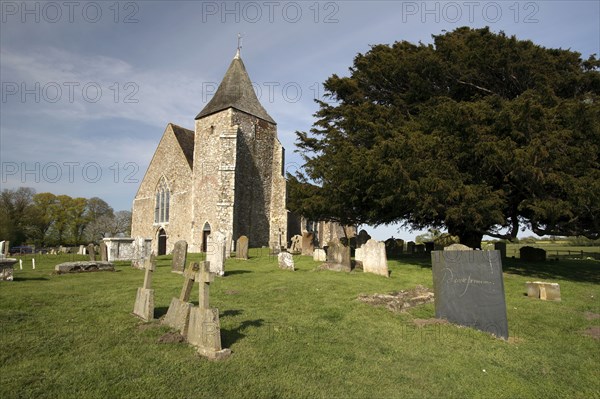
<point>226,175</point>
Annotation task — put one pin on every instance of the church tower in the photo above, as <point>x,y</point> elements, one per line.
<point>238,183</point>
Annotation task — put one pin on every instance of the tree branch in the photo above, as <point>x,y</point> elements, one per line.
<point>475,86</point>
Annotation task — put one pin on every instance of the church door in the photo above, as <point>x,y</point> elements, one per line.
<point>205,234</point>
<point>162,242</point>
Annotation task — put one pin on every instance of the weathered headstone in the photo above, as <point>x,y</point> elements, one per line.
<point>216,252</point>
<point>362,238</point>
<point>543,291</point>
<point>374,259</point>
<point>338,257</point>
<point>469,290</point>
<point>141,250</point>
<point>204,329</point>
<point>319,255</point>
<point>308,245</point>
<point>178,315</point>
<point>91,252</point>
<point>82,250</point>
<point>103,252</point>
<point>6,268</point>
<point>179,256</point>
<point>531,254</point>
<point>296,246</point>
<point>144,301</point>
<point>285,261</point>
<point>419,248</point>
<point>429,246</point>
<point>6,251</point>
<point>2,248</point>
<point>410,247</point>
<point>501,246</point>
<point>457,247</point>
<point>82,266</point>
<point>393,247</point>
<point>241,251</point>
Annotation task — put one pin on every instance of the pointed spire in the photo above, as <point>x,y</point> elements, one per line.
<point>239,47</point>
<point>236,91</point>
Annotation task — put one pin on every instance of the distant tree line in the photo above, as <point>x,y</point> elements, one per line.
<point>46,219</point>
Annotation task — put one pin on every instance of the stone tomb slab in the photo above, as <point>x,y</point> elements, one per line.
<point>544,291</point>
<point>469,290</point>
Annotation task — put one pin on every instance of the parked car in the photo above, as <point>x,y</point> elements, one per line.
<point>21,250</point>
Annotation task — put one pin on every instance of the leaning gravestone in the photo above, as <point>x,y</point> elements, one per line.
<point>296,246</point>
<point>215,252</point>
<point>241,249</point>
<point>178,315</point>
<point>469,290</point>
<point>373,258</point>
<point>91,252</point>
<point>144,300</point>
<point>338,257</point>
<point>308,245</point>
<point>179,256</point>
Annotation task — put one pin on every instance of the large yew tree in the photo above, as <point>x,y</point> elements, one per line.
<point>479,133</point>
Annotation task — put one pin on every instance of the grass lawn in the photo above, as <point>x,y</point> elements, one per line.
<point>293,334</point>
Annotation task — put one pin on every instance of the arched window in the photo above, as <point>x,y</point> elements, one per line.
<point>163,198</point>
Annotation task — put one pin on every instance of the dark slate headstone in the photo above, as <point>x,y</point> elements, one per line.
<point>241,250</point>
<point>469,290</point>
<point>179,256</point>
<point>501,246</point>
<point>531,254</point>
<point>410,247</point>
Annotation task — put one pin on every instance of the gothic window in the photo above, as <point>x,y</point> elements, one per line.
<point>163,199</point>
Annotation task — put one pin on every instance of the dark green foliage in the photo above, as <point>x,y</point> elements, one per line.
<point>479,133</point>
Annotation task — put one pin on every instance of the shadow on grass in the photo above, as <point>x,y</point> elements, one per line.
<point>421,260</point>
<point>30,278</point>
<point>160,312</point>
<point>234,272</point>
<point>572,270</point>
<point>230,337</point>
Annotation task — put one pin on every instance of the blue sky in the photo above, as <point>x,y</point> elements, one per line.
<point>88,87</point>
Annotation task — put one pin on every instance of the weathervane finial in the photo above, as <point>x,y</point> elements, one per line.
<point>239,46</point>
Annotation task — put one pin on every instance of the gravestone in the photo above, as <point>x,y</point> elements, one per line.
<point>362,238</point>
<point>6,250</point>
<point>82,250</point>
<point>178,315</point>
<point>2,248</point>
<point>419,248</point>
<point>429,246</point>
<point>501,246</point>
<point>144,301</point>
<point>103,252</point>
<point>308,245</point>
<point>410,247</point>
<point>241,251</point>
<point>91,252</point>
<point>358,254</point>
<point>296,246</point>
<point>179,256</point>
<point>338,257</point>
<point>83,266</point>
<point>216,252</point>
<point>6,268</point>
<point>285,261</point>
<point>141,249</point>
<point>319,255</point>
<point>531,254</point>
<point>543,291</point>
<point>457,247</point>
<point>374,259</point>
<point>469,290</point>
<point>393,248</point>
<point>204,328</point>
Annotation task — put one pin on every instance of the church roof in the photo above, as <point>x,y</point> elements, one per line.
<point>236,91</point>
<point>185,138</point>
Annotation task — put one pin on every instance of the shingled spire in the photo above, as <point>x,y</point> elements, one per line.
<point>236,91</point>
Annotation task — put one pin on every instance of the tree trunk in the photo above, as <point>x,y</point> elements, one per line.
<point>470,238</point>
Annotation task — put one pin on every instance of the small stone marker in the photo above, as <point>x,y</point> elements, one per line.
<point>373,258</point>
<point>20,264</point>
<point>103,252</point>
<point>33,263</point>
<point>241,249</point>
<point>319,255</point>
<point>308,245</point>
<point>286,261</point>
<point>144,301</point>
<point>469,290</point>
<point>179,256</point>
<point>215,252</point>
<point>178,315</point>
<point>204,329</point>
<point>91,252</point>
<point>543,291</point>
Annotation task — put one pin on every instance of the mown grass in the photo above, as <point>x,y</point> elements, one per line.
<point>293,334</point>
